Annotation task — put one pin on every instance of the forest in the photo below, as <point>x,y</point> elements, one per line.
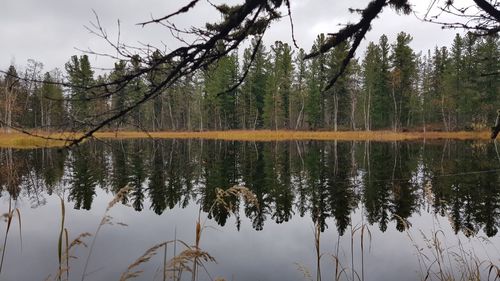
<point>389,86</point>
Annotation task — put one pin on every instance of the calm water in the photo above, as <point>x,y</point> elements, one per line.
<point>451,186</point>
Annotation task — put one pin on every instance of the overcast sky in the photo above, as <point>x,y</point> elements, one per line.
<point>50,31</point>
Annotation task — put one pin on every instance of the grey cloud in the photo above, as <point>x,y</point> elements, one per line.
<point>50,30</point>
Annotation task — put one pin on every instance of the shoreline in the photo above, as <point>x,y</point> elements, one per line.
<point>20,140</point>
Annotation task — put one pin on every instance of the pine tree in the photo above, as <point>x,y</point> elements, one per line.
<point>488,53</point>
<point>298,94</point>
<point>81,77</point>
<point>317,80</point>
<point>221,104</point>
<point>10,103</point>
<point>402,79</point>
<point>337,98</point>
<point>255,86</point>
<point>52,94</point>
<point>277,99</point>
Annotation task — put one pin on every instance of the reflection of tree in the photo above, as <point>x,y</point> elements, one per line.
<point>120,171</point>
<point>316,181</point>
<point>46,173</point>
<point>389,191</point>
<point>11,172</point>
<point>377,184</point>
<point>342,198</point>
<point>254,177</point>
<point>298,175</point>
<point>53,166</point>
<point>137,174</point>
<point>187,163</point>
<point>313,178</point>
<point>404,199</point>
<point>47,166</point>
<point>173,173</point>
<point>82,189</point>
<point>278,179</point>
<point>220,172</point>
<point>157,187</point>
<point>471,200</point>
<point>488,213</point>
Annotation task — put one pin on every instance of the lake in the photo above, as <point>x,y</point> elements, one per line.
<point>369,209</point>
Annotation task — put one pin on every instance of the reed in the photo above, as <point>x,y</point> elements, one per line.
<point>340,270</point>
<point>9,217</point>
<point>63,236</point>
<point>458,262</point>
<point>106,220</point>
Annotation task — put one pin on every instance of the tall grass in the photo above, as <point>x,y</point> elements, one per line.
<point>106,220</point>
<point>63,236</point>
<point>9,217</point>
<point>340,270</point>
<point>458,262</point>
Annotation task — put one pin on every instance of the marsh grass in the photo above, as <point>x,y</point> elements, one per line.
<point>437,258</point>
<point>24,141</point>
<point>286,135</point>
<point>457,262</point>
<point>340,269</point>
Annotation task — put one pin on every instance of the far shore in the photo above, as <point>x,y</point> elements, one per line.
<point>44,139</point>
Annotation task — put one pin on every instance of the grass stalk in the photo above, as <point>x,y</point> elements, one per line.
<point>61,234</point>
<point>10,217</point>
<point>106,219</point>
<point>165,247</point>
<point>4,247</point>
<point>317,245</point>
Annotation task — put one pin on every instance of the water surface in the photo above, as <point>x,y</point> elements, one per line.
<point>392,188</point>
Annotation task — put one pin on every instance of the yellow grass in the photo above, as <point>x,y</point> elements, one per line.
<point>19,140</point>
<point>283,135</point>
<point>23,141</point>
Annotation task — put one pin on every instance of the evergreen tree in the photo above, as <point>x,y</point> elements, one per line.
<point>255,86</point>
<point>221,104</point>
<point>402,79</point>
<point>11,104</point>
<point>317,80</point>
<point>298,94</point>
<point>277,99</point>
<point>53,112</point>
<point>81,77</point>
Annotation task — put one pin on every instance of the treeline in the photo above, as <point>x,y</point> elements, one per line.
<point>389,87</point>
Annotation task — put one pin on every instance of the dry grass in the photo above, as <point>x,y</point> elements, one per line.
<point>24,141</point>
<point>458,261</point>
<point>19,140</point>
<point>283,135</point>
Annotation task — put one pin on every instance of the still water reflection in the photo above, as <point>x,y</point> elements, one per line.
<point>450,185</point>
